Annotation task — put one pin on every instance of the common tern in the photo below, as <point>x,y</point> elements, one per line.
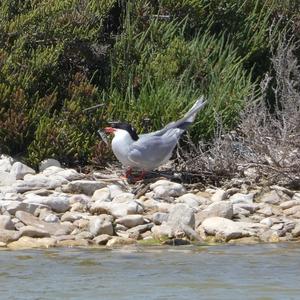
<point>146,152</point>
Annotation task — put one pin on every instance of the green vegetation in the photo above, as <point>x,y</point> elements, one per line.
<point>142,59</point>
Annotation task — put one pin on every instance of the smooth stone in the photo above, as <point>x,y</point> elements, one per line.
<point>140,228</point>
<point>251,207</point>
<point>224,228</point>
<point>191,200</point>
<point>120,227</point>
<point>7,179</point>
<point>79,198</point>
<point>73,243</point>
<point>84,235</point>
<point>166,189</point>
<point>19,170</point>
<point>271,197</point>
<point>114,190</point>
<point>102,195</point>
<point>267,221</point>
<point>117,210</point>
<point>49,162</point>
<point>15,206</point>
<point>293,210</point>
<point>6,163</point>
<point>266,210</point>
<point>68,174</point>
<point>33,232</point>
<point>219,195</point>
<point>180,215</point>
<point>37,182</point>
<point>101,225</point>
<point>155,205</point>
<point>159,217</point>
<point>124,197</point>
<point>87,187</point>
<point>52,228</point>
<point>102,239</point>
<point>57,202</point>
<point>222,209</point>
<point>100,207</point>
<point>120,241</point>
<point>163,231</point>
<point>289,204</point>
<point>11,197</point>
<point>131,220</point>
<point>7,236</point>
<point>26,242</point>
<point>51,218</point>
<point>239,211</point>
<point>72,216</point>
<point>6,223</point>
<point>241,198</point>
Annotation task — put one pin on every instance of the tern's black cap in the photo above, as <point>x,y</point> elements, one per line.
<point>128,128</point>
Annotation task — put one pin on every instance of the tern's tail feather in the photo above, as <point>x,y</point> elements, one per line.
<point>190,116</point>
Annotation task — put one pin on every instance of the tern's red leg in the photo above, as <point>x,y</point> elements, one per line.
<point>128,173</point>
<point>140,177</point>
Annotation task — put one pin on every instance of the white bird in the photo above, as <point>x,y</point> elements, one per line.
<point>148,151</point>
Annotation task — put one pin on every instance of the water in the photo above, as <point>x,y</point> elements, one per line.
<point>270,271</point>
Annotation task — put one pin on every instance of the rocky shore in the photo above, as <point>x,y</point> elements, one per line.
<point>62,207</point>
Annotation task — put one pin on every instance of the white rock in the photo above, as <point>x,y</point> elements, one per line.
<point>222,209</point>
<point>271,197</point>
<point>130,220</point>
<point>46,163</point>
<point>166,189</point>
<point>7,179</point>
<point>267,221</point>
<point>114,190</point>
<point>224,228</point>
<point>57,202</point>
<point>242,198</point>
<point>80,198</point>
<point>6,163</point>
<point>87,187</point>
<point>190,199</point>
<point>124,197</point>
<point>19,170</point>
<point>37,182</point>
<point>101,225</point>
<point>219,195</point>
<point>6,223</point>
<point>289,204</point>
<point>72,216</point>
<point>181,214</point>
<point>162,231</point>
<point>158,218</point>
<point>13,206</point>
<point>51,218</point>
<point>102,195</point>
<point>69,174</point>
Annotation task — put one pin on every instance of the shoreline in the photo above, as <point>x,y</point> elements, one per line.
<point>60,207</point>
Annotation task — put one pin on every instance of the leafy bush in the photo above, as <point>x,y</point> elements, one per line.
<point>142,59</point>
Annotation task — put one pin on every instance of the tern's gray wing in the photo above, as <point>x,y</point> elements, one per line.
<point>149,152</point>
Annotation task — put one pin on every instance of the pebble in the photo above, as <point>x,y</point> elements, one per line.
<point>131,220</point>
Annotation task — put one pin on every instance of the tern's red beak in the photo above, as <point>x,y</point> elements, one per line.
<point>109,130</point>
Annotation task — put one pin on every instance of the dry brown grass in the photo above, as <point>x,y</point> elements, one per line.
<point>265,146</point>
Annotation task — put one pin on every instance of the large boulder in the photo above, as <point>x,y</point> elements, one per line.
<point>223,209</point>
<point>19,170</point>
